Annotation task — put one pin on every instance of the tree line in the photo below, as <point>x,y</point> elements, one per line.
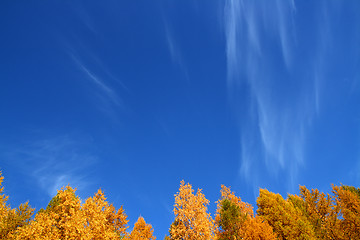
<point>311,214</point>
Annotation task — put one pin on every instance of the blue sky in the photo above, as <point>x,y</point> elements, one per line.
<point>134,96</point>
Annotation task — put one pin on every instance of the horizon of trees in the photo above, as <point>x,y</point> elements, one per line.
<point>311,214</point>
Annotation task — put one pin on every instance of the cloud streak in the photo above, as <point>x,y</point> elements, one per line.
<point>260,43</point>
<point>103,88</point>
<point>174,50</point>
<point>55,162</point>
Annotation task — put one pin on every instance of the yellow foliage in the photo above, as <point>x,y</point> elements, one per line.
<point>316,207</point>
<point>192,222</point>
<point>11,219</point>
<point>66,218</point>
<point>103,221</point>
<point>142,231</point>
<point>62,219</point>
<point>309,215</point>
<point>287,221</point>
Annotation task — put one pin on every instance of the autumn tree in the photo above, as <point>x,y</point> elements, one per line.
<point>103,220</point>
<point>235,219</point>
<point>142,231</point>
<point>229,220</point>
<point>317,207</point>
<point>62,219</point>
<point>333,216</point>
<point>287,221</point>
<point>4,210</point>
<point>347,205</point>
<point>309,215</point>
<point>66,218</point>
<point>11,219</point>
<point>192,221</point>
<point>231,214</point>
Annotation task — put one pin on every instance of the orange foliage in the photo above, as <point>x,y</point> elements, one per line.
<point>226,193</point>
<point>347,205</point>
<point>235,219</point>
<point>256,228</point>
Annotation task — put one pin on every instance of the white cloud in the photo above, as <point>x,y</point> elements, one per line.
<point>275,132</point>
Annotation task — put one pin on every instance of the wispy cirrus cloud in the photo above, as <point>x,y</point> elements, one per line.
<point>54,162</point>
<point>105,86</point>
<point>174,50</point>
<point>280,103</point>
<point>107,94</point>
